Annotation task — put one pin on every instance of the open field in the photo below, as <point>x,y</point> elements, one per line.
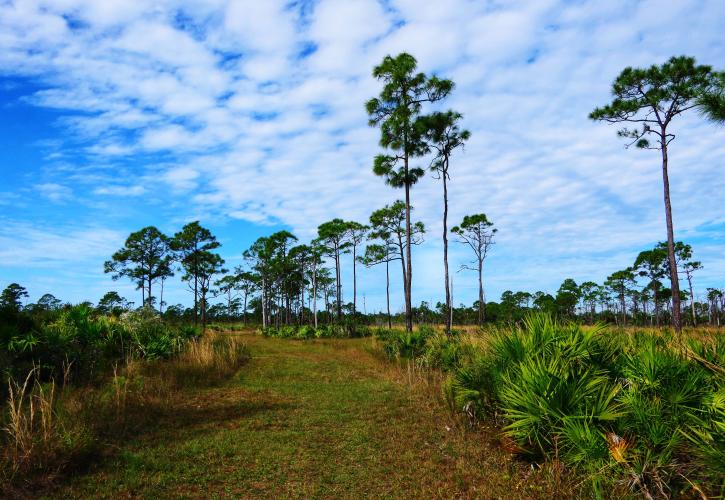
<point>328,418</point>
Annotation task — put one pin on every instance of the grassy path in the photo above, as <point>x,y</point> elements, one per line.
<point>309,419</point>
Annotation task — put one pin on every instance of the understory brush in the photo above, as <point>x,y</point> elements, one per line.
<point>304,332</point>
<point>80,345</point>
<point>638,411</point>
<point>52,427</point>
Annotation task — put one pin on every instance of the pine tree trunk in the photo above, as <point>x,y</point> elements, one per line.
<point>314,292</point>
<point>674,280</point>
<point>480,292</point>
<point>339,285</point>
<point>354,283</point>
<point>657,305</point>
<point>302,301</point>
<point>445,251</point>
<point>402,264</point>
<point>387,291</point>
<point>264,303</point>
<point>408,253</point>
<point>196,302</point>
<point>203,313</point>
<point>692,300</point>
<point>196,286</point>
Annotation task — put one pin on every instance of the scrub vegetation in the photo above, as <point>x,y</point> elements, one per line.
<point>272,384</point>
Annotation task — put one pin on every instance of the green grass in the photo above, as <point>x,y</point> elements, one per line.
<point>320,418</point>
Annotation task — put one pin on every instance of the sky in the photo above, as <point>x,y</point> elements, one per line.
<point>249,117</point>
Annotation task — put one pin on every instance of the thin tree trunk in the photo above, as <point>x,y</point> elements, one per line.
<point>450,311</point>
<point>203,313</point>
<point>405,276</point>
<point>354,282</point>
<point>196,286</point>
<point>408,235</point>
<point>480,292</point>
<point>161,301</point>
<point>445,250</point>
<point>692,300</point>
<point>264,303</point>
<point>676,320</point>
<point>302,300</point>
<point>408,253</point>
<point>387,291</point>
<point>339,285</point>
<point>288,306</point>
<point>327,304</point>
<point>657,305</point>
<point>314,292</point>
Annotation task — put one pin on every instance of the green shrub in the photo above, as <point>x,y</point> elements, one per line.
<point>305,332</point>
<point>469,388</point>
<point>629,407</point>
<point>407,344</point>
<point>442,351</point>
<point>706,433</point>
<point>78,343</point>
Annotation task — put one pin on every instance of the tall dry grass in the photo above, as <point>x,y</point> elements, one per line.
<point>49,428</point>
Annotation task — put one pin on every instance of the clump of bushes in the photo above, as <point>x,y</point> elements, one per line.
<point>643,412</point>
<point>81,344</point>
<point>304,332</point>
<point>404,343</point>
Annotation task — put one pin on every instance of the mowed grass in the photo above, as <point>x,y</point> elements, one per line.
<point>322,418</point>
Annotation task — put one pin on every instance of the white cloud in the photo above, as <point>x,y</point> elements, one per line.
<point>256,111</point>
<point>54,192</point>
<point>136,190</point>
<point>23,245</point>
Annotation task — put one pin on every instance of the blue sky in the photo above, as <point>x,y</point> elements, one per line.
<point>249,116</point>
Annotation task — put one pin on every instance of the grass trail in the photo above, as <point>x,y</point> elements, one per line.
<point>323,418</point>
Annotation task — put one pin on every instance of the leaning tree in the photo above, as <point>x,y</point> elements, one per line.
<point>395,111</point>
<point>651,98</point>
<point>477,232</point>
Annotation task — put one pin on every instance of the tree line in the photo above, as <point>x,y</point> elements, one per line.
<point>284,280</point>
<point>636,295</point>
